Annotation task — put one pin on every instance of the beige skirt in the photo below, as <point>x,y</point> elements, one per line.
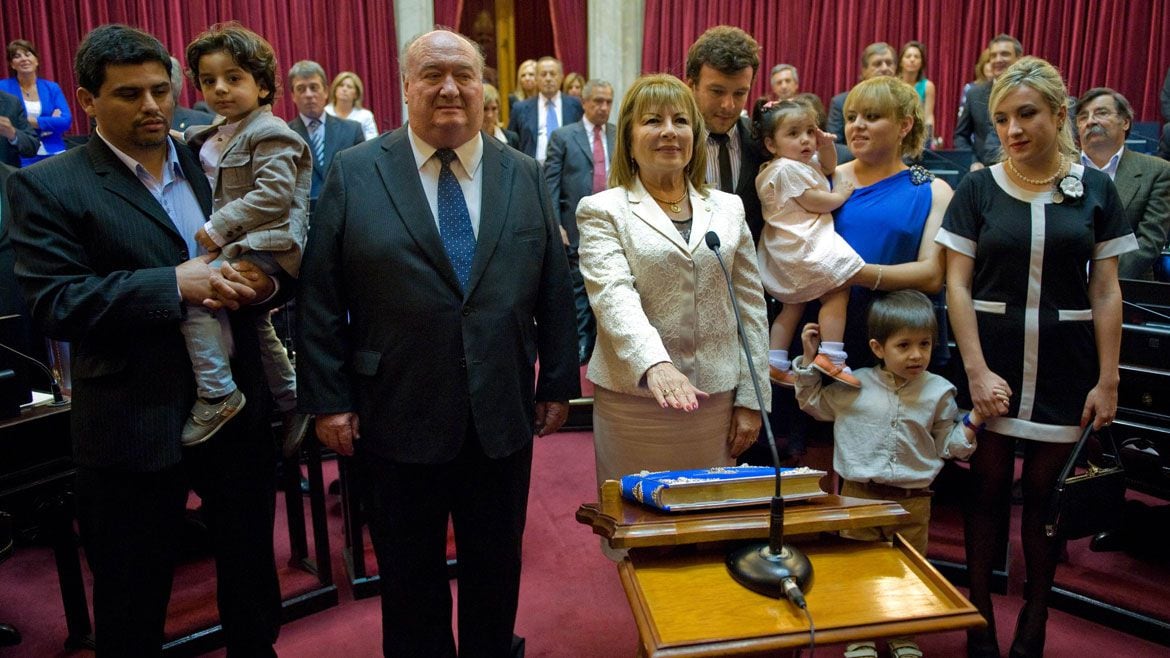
<point>632,433</point>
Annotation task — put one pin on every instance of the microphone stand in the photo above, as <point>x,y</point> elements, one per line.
<point>769,568</point>
<point>54,388</point>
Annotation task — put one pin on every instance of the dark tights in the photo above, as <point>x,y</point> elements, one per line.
<point>986,518</point>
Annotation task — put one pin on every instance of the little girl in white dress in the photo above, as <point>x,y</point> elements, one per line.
<point>801,256</point>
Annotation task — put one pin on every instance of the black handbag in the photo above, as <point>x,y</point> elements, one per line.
<point>1090,502</point>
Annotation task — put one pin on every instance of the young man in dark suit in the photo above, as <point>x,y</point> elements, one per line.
<point>536,118</point>
<point>433,278</point>
<point>577,166</point>
<point>721,65</point>
<point>974,131</point>
<point>306,79</point>
<point>105,253</point>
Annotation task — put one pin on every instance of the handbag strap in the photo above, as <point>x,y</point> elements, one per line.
<point>1071,464</point>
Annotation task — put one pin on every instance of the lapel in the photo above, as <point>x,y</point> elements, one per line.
<point>581,139</point>
<point>331,126</point>
<point>610,137</point>
<point>496,173</point>
<point>1128,178</point>
<point>643,206</point>
<point>120,181</point>
<point>404,189</point>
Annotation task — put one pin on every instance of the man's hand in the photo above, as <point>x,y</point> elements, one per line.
<point>338,431</point>
<point>7,130</point>
<point>194,278</point>
<point>550,416</point>
<point>237,284</point>
<point>744,430</point>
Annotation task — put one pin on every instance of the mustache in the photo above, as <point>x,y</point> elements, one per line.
<point>1095,130</point>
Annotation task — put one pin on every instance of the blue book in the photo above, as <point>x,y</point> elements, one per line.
<point>719,487</point>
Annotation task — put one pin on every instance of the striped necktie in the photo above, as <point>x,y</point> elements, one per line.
<point>317,142</point>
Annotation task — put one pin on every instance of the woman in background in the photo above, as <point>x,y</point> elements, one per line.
<point>573,84</point>
<point>912,71</point>
<point>46,107</point>
<point>1031,248</point>
<point>491,118</point>
<point>673,388</point>
<point>345,102</point>
<point>525,83</point>
<point>982,74</point>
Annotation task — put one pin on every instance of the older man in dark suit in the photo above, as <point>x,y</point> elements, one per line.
<point>17,137</point>
<point>104,241</point>
<point>1104,118</point>
<point>434,276</point>
<point>721,65</point>
<point>577,166</point>
<point>536,118</point>
<point>326,135</point>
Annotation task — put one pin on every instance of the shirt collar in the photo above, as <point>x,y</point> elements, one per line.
<point>544,100</point>
<point>589,125</point>
<point>308,120</point>
<point>470,153</point>
<point>136,168</point>
<point>1110,166</point>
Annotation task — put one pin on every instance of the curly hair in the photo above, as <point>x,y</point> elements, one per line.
<point>724,48</point>
<point>249,50</point>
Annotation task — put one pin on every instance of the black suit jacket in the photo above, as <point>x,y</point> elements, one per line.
<point>836,121</point>
<point>340,134</point>
<point>568,170</point>
<point>751,157</point>
<point>27,141</point>
<point>10,297</point>
<point>385,330</point>
<point>96,257</point>
<point>974,130</point>
<point>525,121</point>
<point>185,117</point>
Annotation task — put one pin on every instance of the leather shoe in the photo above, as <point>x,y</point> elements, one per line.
<point>9,636</point>
<point>785,378</point>
<point>294,427</point>
<point>207,418</point>
<point>836,371</point>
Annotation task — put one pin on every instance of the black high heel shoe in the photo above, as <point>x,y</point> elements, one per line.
<point>1031,627</point>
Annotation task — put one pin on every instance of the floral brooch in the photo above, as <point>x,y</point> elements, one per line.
<point>1070,187</point>
<point>920,175</point>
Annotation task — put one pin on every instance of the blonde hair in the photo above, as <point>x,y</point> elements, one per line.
<point>519,92</point>
<point>648,93</point>
<point>357,83</point>
<point>890,97</point>
<point>1044,79</point>
<point>571,78</point>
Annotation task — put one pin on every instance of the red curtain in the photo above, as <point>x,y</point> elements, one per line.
<point>354,35</point>
<point>1124,45</point>
<point>571,34</point>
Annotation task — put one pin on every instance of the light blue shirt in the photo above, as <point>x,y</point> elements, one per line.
<point>1110,167</point>
<point>174,193</point>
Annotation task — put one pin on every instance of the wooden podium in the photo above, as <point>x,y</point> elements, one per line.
<point>685,603</point>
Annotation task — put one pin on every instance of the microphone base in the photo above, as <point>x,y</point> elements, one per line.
<point>757,568</point>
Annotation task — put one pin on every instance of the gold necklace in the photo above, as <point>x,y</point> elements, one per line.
<point>1034,181</point>
<point>674,207</point>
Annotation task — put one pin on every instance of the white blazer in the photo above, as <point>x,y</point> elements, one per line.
<point>659,299</point>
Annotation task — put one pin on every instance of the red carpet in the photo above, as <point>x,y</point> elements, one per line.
<point>571,602</point>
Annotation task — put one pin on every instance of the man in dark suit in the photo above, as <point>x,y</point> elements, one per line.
<point>1104,118</point>
<point>720,67</point>
<point>577,166</point>
<point>185,117</point>
<point>876,59</point>
<point>433,278</point>
<point>104,239</point>
<point>974,130</point>
<point>536,118</point>
<point>17,137</point>
<point>326,135</point>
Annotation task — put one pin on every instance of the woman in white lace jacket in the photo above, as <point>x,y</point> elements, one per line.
<point>672,383</point>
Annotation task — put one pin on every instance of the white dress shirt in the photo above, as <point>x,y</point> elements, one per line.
<point>604,142</point>
<point>542,124</point>
<point>466,169</point>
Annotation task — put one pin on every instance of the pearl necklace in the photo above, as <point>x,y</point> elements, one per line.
<point>674,205</point>
<point>1035,181</point>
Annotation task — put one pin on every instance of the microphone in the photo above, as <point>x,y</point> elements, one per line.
<point>54,387</point>
<point>769,568</point>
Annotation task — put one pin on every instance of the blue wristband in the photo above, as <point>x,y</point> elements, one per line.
<point>972,426</point>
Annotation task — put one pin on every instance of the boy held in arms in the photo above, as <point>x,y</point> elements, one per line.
<point>891,435</point>
<point>260,173</point>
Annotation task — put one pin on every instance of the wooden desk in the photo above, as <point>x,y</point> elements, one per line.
<point>627,524</point>
<point>688,605</point>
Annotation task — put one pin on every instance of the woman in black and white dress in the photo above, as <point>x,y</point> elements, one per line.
<point>1032,246</point>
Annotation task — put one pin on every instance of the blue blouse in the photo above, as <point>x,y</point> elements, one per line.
<point>51,129</point>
